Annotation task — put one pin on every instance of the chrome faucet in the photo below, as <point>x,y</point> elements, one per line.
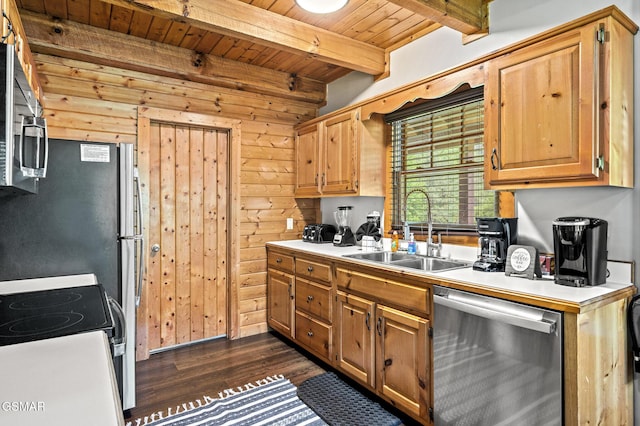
<point>432,249</point>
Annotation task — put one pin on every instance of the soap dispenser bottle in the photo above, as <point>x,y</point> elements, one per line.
<point>411,245</point>
<point>395,243</point>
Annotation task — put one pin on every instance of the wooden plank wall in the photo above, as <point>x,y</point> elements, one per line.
<point>96,103</point>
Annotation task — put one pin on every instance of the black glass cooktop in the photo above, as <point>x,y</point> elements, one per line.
<point>44,314</point>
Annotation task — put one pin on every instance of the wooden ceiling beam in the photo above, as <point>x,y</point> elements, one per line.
<point>90,44</point>
<point>466,16</point>
<point>240,20</point>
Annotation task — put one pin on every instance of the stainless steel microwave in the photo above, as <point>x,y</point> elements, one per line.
<point>23,137</point>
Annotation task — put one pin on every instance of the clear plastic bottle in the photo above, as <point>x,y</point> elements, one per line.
<point>411,245</point>
<point>395,243</point>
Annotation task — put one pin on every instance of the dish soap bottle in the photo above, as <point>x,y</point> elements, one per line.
<point>394,241</point>
<point>411,245</point>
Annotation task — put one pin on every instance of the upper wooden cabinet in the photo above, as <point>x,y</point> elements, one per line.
<point>13,32</point>
<point>340,155</point>
<point>559,112</point>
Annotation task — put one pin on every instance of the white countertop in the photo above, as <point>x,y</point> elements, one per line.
<point>66,380</point>
<point>542,288</point>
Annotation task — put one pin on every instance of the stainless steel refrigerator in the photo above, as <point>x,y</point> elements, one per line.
<point>84,219</point>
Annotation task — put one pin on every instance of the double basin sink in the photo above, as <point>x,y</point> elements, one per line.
<point>411,261</point>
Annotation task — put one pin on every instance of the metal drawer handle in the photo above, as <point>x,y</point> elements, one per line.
<point>310,333</point>
<point>310,268</point>
<point>494,156</point>
<point>278,260</point>
<point>309,298</point>
<point>466,304</point>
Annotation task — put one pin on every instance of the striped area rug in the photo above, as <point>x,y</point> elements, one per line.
<point>271,401</point>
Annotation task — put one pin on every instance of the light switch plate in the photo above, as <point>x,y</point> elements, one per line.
<point>289,223</point>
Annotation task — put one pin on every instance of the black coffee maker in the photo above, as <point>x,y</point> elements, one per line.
<point>580,249</point>
<point>496,235</point>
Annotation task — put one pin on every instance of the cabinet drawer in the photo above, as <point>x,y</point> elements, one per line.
<point>314,299</point>
<point>313,334</point>
<point>384,290</point>
<point>280,261</point>
<point>313,270</point>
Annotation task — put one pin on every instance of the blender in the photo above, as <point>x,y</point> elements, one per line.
<point>344,237</point>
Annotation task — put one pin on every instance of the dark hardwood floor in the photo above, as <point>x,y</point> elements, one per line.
<point>185,374</point>
<point>170,378</point>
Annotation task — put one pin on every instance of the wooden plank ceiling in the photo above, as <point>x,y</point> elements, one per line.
<point>266,46</point>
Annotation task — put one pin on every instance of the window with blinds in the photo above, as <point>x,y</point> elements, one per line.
<point>438,159</point>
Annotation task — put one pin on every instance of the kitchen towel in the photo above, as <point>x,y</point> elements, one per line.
<point>271,401</point>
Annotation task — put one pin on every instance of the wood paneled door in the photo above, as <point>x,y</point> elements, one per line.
<point>186,163</point>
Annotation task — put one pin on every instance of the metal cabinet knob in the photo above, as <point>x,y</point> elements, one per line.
<point>310,333</point>
<point>309,298</point>
<point>310,268</point>
<point>155,249</point>
<point>278,260</point>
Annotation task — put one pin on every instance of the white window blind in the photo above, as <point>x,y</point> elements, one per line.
<point>438,148</point>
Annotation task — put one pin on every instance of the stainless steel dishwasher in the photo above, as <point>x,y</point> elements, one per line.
<point>495,362</point>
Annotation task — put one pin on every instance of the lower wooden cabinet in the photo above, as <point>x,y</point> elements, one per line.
<point>314,298</point>
<point>314,316</point>
<point>387,350</point>
<point>402,360</point>
<point>314,335</point>
<point>280,293</point>
<point>280,298</point>
<point>355,329</point>
<point>373,329</point>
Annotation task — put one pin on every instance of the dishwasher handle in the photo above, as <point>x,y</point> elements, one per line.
<point>496,313</point>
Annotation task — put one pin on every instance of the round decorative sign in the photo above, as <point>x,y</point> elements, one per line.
<point>520,259</point>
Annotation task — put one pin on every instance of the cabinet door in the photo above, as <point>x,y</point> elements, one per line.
<point>280,292</point>
<point>307,162</point>
<point>340,154</point>
<point>541,112</point>
<point>402,360</point>
<point>356,336</point>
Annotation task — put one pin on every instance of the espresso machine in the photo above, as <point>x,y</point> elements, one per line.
<point>344,237</point>
<point>580,249</point>
<point>496,235</point>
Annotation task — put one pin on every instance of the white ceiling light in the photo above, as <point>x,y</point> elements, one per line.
<point>321,6</point>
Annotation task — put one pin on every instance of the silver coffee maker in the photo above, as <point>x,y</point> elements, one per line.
<point>580,249</point>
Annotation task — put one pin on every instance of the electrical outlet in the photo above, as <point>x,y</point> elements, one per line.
<point>289,223</point>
